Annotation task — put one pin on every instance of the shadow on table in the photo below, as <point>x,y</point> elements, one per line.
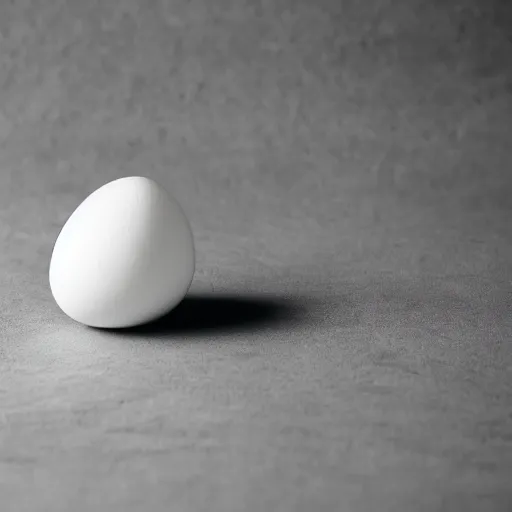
<point>216,314</point>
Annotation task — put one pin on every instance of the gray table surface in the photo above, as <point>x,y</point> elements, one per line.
<point>346,167</point>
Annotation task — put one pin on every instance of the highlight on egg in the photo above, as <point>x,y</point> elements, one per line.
<point>125,256</point>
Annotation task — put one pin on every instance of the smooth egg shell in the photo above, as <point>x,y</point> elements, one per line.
<point>124,257</point>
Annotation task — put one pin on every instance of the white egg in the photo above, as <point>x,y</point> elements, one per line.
<point>124,257</point>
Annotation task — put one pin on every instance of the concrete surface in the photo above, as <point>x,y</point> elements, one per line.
<point>346,167</point>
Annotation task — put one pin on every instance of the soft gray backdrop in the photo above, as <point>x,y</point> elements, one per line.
<point>346,167</point>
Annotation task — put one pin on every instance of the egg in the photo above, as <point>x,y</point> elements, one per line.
<point>124,257</point>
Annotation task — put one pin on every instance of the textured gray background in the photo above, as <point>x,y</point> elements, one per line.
<point>346,167</point>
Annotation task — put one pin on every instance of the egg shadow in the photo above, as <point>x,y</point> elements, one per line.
<point>215,314</point>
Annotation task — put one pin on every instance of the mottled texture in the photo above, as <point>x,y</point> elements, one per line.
<point>346,167</point>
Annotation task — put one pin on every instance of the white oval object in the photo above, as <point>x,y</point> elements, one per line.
<point>125,256</point>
